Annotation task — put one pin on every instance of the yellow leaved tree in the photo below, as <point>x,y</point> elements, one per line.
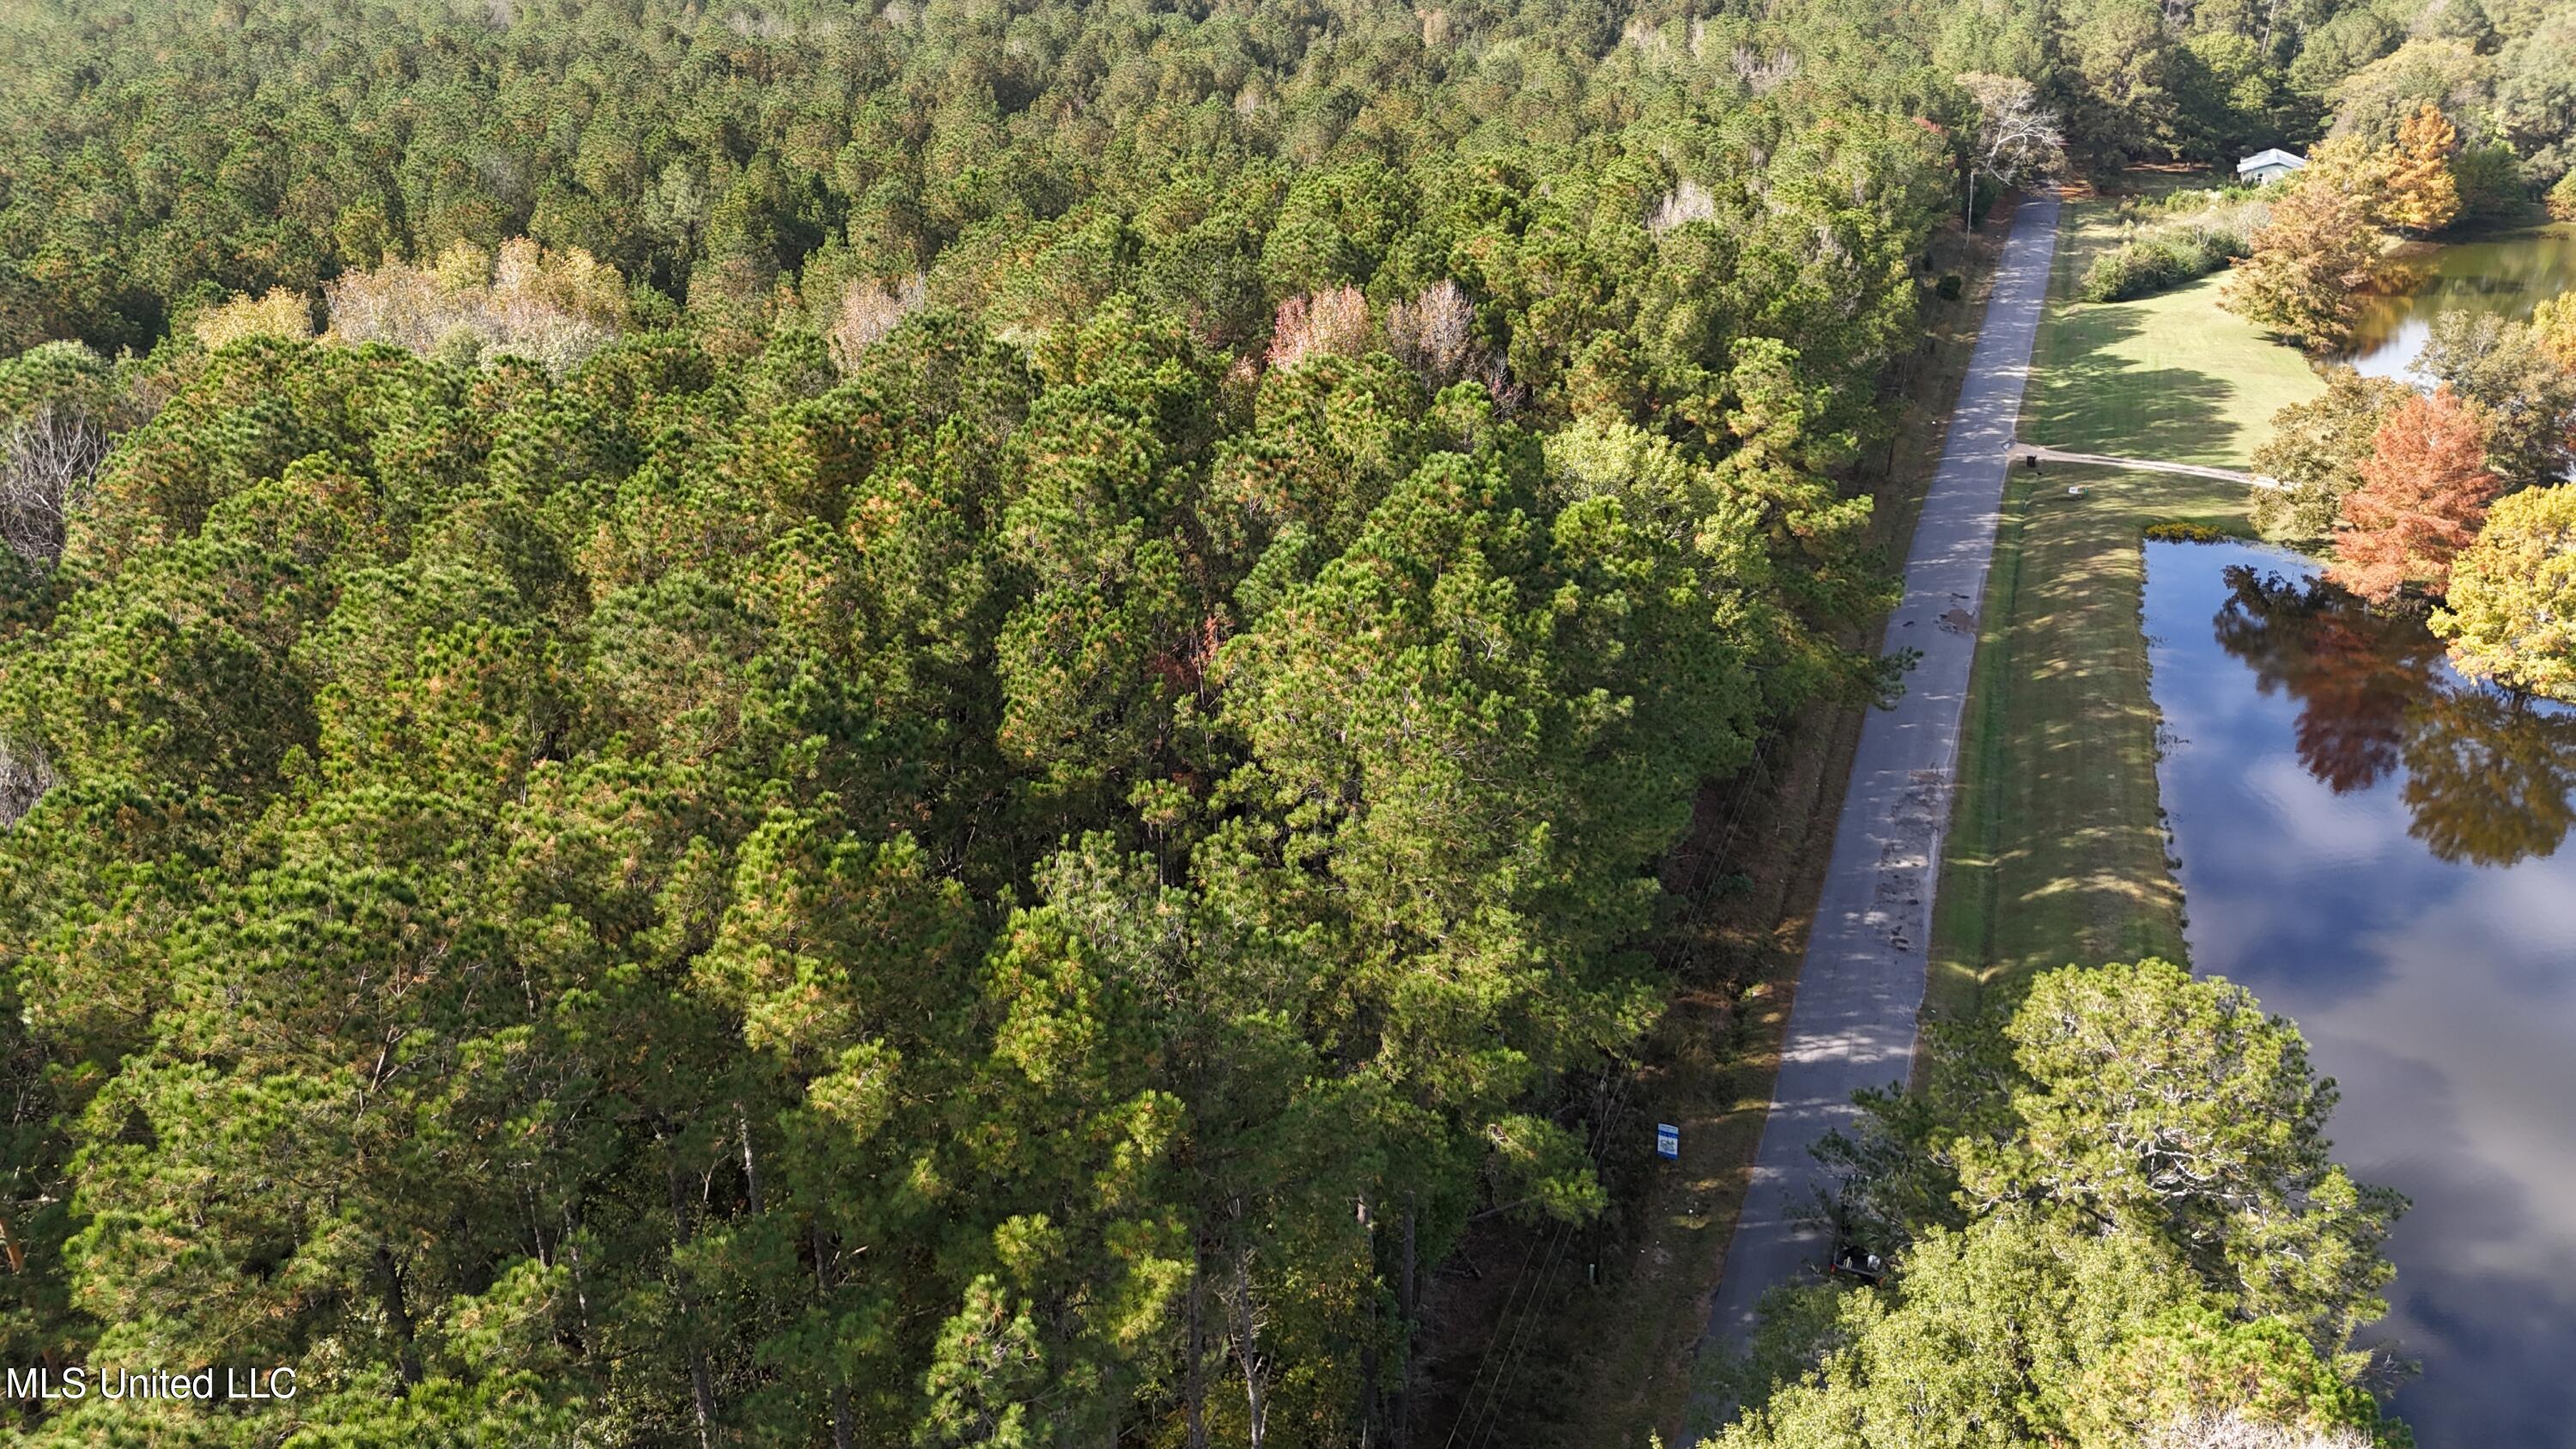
<point>2422,195</point>
<point>2511,611</point>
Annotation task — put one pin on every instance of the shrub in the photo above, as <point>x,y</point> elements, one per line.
<point>2171,249</point>
<point>2562,198</point>
<point>1950,287</point>
<point>2175,530</point>
<point>281,313</point>
<point>2147,210</point>
<point>2223,234</point>
<point>2136,269</point>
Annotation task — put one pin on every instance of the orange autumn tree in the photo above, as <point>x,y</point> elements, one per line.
<point>2425,490</point>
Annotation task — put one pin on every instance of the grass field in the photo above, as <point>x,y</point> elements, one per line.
<point>2171,377</point>
<point>2056,850</point>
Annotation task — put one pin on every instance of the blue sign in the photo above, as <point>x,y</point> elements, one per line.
<point>1668,1140</point>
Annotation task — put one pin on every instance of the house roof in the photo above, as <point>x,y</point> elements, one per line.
<point>2273,157</point>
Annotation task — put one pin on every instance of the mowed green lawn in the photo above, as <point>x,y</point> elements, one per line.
<point>2171,377</point>
<point>2056,851</point>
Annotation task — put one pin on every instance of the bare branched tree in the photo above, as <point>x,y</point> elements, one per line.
<point>1687,202</point>
<point>1762,74</point>
<point>1432,333</point>
<point>870,312</point>
<point>48,462</point>
<point>25,776</point>
<point>554,308</point>
<point>2016,138</point>
<point>1333,321</point>
<point>1489,368</point>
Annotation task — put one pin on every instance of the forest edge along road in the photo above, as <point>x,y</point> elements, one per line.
<point>1852,1024</point>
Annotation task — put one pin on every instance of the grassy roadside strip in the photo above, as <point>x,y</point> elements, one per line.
<point>2056,850</point>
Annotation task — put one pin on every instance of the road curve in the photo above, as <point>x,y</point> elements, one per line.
<point>1853,1021</point>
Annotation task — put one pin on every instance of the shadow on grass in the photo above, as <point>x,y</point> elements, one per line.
<point>2056,852</point>
<point>2092,395</point>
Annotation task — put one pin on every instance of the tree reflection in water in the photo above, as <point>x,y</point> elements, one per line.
<point>2490,773</point>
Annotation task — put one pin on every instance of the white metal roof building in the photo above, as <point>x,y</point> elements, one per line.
<point>2265,167</point>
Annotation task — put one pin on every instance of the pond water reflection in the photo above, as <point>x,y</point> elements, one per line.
<point>2377,847</point>
<point>2507,276</point>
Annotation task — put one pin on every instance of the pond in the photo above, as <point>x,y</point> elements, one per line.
<point>2378,848</point>
<point>2507,275</point>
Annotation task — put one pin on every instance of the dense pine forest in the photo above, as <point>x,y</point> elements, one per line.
<point>945,724</point>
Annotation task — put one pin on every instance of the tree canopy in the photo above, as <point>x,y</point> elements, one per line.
<point>2112,1217</point>
<point>935,723</point>
<point>908,732</point>
<point>2511,611</point>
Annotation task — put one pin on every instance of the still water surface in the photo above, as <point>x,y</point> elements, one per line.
<point>2379,849</point>
<point>2507,276</point>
